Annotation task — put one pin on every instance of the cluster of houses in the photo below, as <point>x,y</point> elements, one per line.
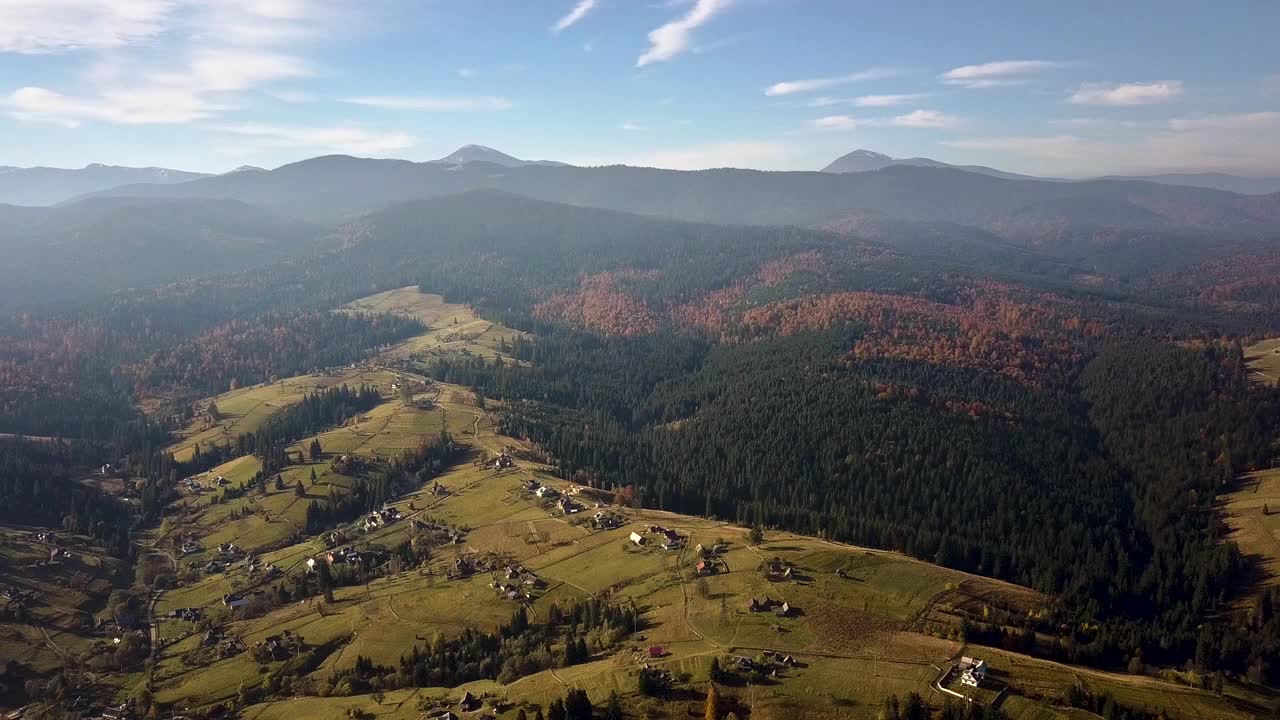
<point>193,485</point>
<point>667,538</point>
<point>44,536</point>
<point>467,704</point>
<point>348,556</point>
<point>606,520</point>
<point>517,583</point>
<point>279,647</point>
<point>972,671</point>
<point>440,533</point>
<point>780,608</point>
<point>773,660</point>
<point>379,519</point>
<point>190,547</point>
<point>500,461</point>
<point>225,555</point>
<point>227,646</point>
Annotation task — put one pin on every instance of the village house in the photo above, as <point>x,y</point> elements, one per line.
<point>704,568</point>
<point>637,538</point>
<point>606,521</point>
<point>783,610</point>
<point>546,492</point>
<point>469,703</point>
<point>972,671</point>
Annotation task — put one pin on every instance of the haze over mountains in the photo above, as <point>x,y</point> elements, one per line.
<point>48,186</point>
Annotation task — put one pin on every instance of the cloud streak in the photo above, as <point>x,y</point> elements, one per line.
<point>676,37</point>
<point>54,26</point>
<point>996,74</point>
<point>350,139</point>
<point>432,104</point>
<point>1126,94</point>
<point>792,87</point>
<point>1243,121</point>
<point>917,119</point>
<point>578,12</point>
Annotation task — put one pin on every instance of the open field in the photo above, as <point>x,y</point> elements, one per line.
<point>1264,361</point>
<point>857,633</point>
<point>451,329</point>
<point>66,595</point>
<point>863,624</point>
<point>244,410</point>
<point>1252,512</point>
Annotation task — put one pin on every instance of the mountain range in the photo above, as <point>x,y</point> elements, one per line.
<point>48,186</point>
<point>869,160</point>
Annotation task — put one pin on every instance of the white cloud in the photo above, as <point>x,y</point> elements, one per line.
<point>1244,121</point>
<point>675,37</point>
<point>434,104</point>
<point>996,74</point>
<point>578,12</point>
<point>792,87</point>
<point>839,122</point>
<point>925,119</point>
<point>632,126</point>
<point>50,26</point>
<point>1127,94</point>
<point>159,61</point>
<point>144,106</point>
<point>340,139</point>
<point>886,100</point>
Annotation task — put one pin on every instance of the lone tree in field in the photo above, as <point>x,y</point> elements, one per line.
<point>299,490</point>
<point>214,415</point>
<point>757,535</point>
<point>713,703</point>
<point>313,476</point>
<point>315,451</point>
<point>279,482</point>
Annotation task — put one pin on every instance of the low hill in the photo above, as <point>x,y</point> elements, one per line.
<point>105,244</point>
<point>869,160</point>
<point>49,186</point>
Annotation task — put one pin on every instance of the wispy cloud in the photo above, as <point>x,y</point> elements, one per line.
<point>792,87</point>
<point>920,119</point>
<point>839,122</point>
<point>675,37</point>
<point>578,12</point>
<point>341,138</point>
<point>1243,121</point>
<point>1126,94</point>
<point>925,119</point>
<point>466,73</point>
<point>436,104</point>
<point>213,52</point>
<point>51,26</point>
<point>887,100</point>
<point>632,126</point>
<point>996,74</point>
<point>1051,147</point>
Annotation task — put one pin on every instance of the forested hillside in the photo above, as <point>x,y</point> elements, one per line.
<point>985,411</point>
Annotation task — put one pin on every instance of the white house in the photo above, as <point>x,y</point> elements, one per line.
<point>972,671</point>
<point>637,538</point>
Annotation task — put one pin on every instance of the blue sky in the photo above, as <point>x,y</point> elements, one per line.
<point>1068,89</point>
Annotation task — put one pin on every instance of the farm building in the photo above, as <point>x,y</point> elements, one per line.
<point>972,671</point>
<point>637,538</point>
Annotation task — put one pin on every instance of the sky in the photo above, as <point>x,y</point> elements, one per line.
<point>1065,89</point>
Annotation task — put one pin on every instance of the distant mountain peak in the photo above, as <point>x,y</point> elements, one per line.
<point>862,160</point>
<point>862,152</point>
<point>481,153</point>
<point>247,168</point>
